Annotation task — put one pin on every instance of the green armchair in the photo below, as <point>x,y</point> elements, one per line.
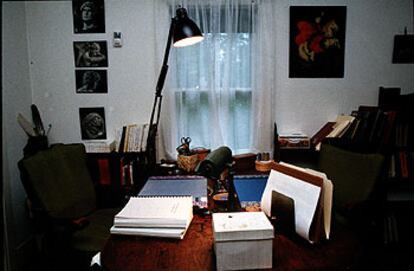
<point>357,178</point>
<point>63,205</point>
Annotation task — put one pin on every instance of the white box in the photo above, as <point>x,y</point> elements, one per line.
<point>242,240</point>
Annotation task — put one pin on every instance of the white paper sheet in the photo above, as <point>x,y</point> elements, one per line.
<point>304,194</point>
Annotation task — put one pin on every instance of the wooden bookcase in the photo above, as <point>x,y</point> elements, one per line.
<point>400,153</point>
<point>117,176</point>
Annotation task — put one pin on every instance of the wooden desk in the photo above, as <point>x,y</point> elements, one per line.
<point>195,251</point>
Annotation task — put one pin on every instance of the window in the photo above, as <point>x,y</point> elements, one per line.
<point>212,80</point>
<point>220,91</point>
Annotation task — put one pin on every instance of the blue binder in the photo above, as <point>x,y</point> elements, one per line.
<point>249,188</point>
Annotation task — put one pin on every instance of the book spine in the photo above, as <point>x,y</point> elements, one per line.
<point>391,172</point>
<point>322,133</point>
<point>403,164</point>
<point>104,173</point>
<point>122,142</point>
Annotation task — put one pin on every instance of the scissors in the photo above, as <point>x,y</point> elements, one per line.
<point>186,140</point>
<point>184,148</point>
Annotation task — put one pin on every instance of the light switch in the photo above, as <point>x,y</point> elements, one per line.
<point>117,42</point>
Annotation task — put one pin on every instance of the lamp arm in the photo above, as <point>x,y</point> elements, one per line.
<point>164,68</point>
<point>153,127</point>
<point>163,74</point>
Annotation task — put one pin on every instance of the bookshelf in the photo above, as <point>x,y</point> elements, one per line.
<point>387,128</point>
<point>117,175</point>
<point>400,153</point>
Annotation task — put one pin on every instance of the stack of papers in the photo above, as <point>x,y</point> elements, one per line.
<point>168,216</point>
<point>311,192</point>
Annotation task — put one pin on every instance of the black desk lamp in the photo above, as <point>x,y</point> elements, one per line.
<point>183,32</point>
<point>212,167</point>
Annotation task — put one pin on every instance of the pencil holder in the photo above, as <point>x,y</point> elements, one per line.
<point>264,166</point>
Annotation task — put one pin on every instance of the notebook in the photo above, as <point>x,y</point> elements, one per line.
<point>195,186</point>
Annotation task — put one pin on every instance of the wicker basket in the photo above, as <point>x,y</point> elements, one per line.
<point>187,162</point>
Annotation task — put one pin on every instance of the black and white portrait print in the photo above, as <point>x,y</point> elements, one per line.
<point>91,81</point>
<point>92,122</point>
<point>90,53</point>
<point>88,16</point>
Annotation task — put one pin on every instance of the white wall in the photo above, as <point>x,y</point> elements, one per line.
<point>41,33</point>
<point>131,72</point>
<point>16,99</point>
<point>301,104</point>
<point>306,104</point>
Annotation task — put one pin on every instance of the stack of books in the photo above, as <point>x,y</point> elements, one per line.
<point>157,216</point>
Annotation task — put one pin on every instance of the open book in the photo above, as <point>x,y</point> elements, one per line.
<point>164,216</point>
<point>311,192</point>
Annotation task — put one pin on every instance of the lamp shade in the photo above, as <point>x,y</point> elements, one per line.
<point>185,31</point>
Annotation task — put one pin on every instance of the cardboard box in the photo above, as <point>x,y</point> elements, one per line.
<point>294,141</point>
<point>243,240</point>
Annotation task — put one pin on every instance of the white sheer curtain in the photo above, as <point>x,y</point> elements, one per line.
<point>219,92</point>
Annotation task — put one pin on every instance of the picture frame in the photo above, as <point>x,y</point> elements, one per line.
<point>88,16</point>
<point>403,49</point>
<point>90,53</point>
<point>92,123</point>
<point>317,41</point>
<point>91,81</point>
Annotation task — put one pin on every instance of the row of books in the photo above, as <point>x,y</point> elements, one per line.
<point>368,128</point>
<point>401,134</point>
<point>402,165</point>
<point>133,138</point>
<point>377,128</point>
<point>127,174</point>
<point>107,171</point>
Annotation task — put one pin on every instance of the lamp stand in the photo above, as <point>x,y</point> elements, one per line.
<point>232,205</point>
<point>156,108</point>
<point>184,32</point>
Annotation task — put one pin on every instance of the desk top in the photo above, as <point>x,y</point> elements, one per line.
<point>195,251</point>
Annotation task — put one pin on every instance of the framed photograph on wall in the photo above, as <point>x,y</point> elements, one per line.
<point>91,81</point>
<point>317,41</point>
<point>92,123</point>
<point>403,49</point>
<point>88,16</point>
<point>90,53</point>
